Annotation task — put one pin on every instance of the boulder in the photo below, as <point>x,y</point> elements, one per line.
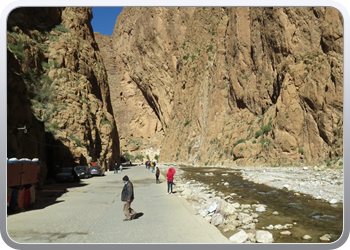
<point>239,237</point>
<point>286,233</point>
<point>264,237</point>
<point>333,201</point>
<point>247,220</point>
<point>278,227</point>
<point>225,208</point>
<point>326,238</point>
<point>260,209</point>
<point>307,237</point>
<point>217,219</point>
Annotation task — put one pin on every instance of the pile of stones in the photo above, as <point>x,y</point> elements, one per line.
<point>221,212</point>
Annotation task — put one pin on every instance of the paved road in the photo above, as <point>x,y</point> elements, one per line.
<point>92,213</point>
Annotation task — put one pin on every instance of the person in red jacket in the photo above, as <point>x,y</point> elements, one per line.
<point>170,178</point>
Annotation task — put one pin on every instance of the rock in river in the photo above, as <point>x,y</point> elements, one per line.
<point>239,237</point>
<point>326,238</point>
<point>307,237</point>
<point>264,236</point>
<point>333,201</point>
<point>286,233</point>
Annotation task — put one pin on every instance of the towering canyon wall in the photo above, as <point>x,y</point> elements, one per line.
<point>234,86</point>
<point>140,131</point>
<point>58,88</point>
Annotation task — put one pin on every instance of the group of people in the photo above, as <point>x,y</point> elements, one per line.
<point>150,165</point>
<point>127,195</point>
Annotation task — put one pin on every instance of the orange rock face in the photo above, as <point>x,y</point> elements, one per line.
<point>232,86</point>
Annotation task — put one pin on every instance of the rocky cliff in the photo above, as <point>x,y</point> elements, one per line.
<point>140,131</point>
<point>58,89</point>
<point>233,86</point>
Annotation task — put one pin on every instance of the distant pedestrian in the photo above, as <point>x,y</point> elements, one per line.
<point>120,168</point>
<point>170,179</point>
<point>157,175</point>
<point>152,166</point>
<point>127,197</point>
<point>116,168</point>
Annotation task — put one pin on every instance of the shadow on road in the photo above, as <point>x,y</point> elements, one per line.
<point>137,215</point>
<point>48,196</point>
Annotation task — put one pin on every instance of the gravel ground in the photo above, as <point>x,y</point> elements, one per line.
<point>319,182</point>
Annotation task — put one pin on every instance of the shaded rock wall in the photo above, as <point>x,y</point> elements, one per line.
<point>140,131</point>
<point>237,86</point>
<point>58,88</point>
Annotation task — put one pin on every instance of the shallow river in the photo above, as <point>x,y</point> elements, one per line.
<point>312,217</point>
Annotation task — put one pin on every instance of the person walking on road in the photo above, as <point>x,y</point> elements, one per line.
<point>120,168</point>
<point>170,178</point>
<point>157,175</point>
<point>116,168</point>
<point>127,197</point>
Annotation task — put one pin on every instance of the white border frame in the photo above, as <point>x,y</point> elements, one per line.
<point>7,6</point>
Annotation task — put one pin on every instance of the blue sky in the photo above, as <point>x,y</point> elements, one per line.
<point>104,18</point>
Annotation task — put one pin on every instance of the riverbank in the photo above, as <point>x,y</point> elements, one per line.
<point>320,182</point>
<point>242,222</point>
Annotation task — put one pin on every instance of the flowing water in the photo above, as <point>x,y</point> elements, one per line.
<point>309,216</point>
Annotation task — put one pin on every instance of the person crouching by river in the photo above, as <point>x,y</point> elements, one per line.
<point>157,175</point>
<point>170,178</point>
<point>127,197</point>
